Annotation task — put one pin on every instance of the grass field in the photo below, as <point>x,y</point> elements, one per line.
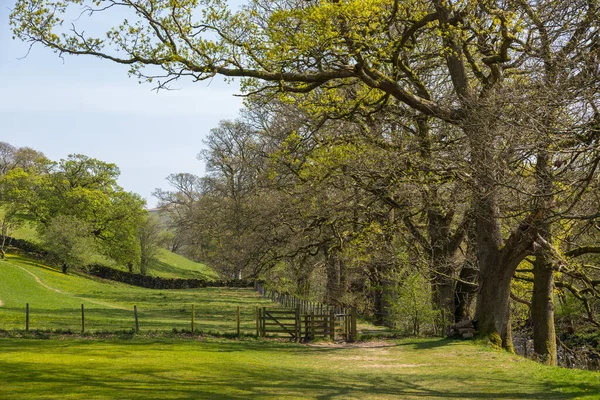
<point>171,369</point>
<point>169,366</point>
<point>55,303</point>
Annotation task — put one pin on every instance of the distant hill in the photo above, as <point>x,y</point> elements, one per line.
<point>169,265</point>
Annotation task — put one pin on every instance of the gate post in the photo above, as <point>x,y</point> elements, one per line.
<point>262,322</point>
<point>332,325</point>
<point>257,315</point>
<point>353,332</point>
<point>298,324</point>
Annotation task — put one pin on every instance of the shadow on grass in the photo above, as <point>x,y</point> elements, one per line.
<point>28,261</point>
<point>169,370</point>
<point>428,344</point>
<point>160,268</point>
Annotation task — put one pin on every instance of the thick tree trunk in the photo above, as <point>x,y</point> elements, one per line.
<point>542,311</point>
<point>497,258</point>
<point>385,297</point>
<point>542,304</point>
<point>493,304</point>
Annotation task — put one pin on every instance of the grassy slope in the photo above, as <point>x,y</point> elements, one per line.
<point>55,300</point>
<point>169,265</point>
<point>169,369</point>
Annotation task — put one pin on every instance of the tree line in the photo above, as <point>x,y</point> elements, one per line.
<point>452,143</point>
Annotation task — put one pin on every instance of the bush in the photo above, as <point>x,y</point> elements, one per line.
<point>411,308</point>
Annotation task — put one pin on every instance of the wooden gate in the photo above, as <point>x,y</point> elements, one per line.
<point>306,326</point>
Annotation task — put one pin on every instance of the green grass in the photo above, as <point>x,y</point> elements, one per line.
<point>176,369</point>
<point>55,303</point>
<point>158,367</point>
<point>171,265</point>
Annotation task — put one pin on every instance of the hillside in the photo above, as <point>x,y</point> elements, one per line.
<point>55,302</point>
<point>169,265</point>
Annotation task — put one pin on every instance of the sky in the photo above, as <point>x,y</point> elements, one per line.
<point>84,105</point>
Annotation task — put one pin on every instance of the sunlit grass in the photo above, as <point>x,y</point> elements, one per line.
<point>55,303</point>
<point>181,369</point>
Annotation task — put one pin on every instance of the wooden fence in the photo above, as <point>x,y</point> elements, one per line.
<point>304,320</point>
<point>135,319</point>
<point>289,301</point>
<point>306,326</point>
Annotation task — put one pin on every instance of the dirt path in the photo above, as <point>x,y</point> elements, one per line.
<point>39,281</point>
<point>1,303</point>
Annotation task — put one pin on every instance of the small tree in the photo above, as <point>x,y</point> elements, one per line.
<point>412,308</point>
<point>69,242</point>
<point>151,240</point>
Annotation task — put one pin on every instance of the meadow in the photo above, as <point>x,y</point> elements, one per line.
<point>250,369</point>
<point>164,361</point>
<point>55,301</point>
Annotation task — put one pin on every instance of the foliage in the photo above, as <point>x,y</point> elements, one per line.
<point>411,308</point>
<point>151,239</point>
<point>69,242</point>
<point>78,188</point>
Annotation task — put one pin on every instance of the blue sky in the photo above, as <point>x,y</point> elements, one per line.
<point>89,106</point>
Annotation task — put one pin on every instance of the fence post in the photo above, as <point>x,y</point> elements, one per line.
<point>347,324</point>
<point>82,320</point>
<point>262,321</point>
<point>193,324</point>
<point>332,325</point>
<point>257,315</point>
<point>27,317</point>
<point>137,325</point>
<point>238,320</point>
<point>306,326</point>
<point>298,325</point>
<point>353,324</point>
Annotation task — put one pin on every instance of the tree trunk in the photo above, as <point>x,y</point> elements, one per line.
<point>542,311</point>
<point>492,304</point>
<point>443,297</point>
<point>465,291</point>
<point>542,304</point>
<point>497,258</point>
